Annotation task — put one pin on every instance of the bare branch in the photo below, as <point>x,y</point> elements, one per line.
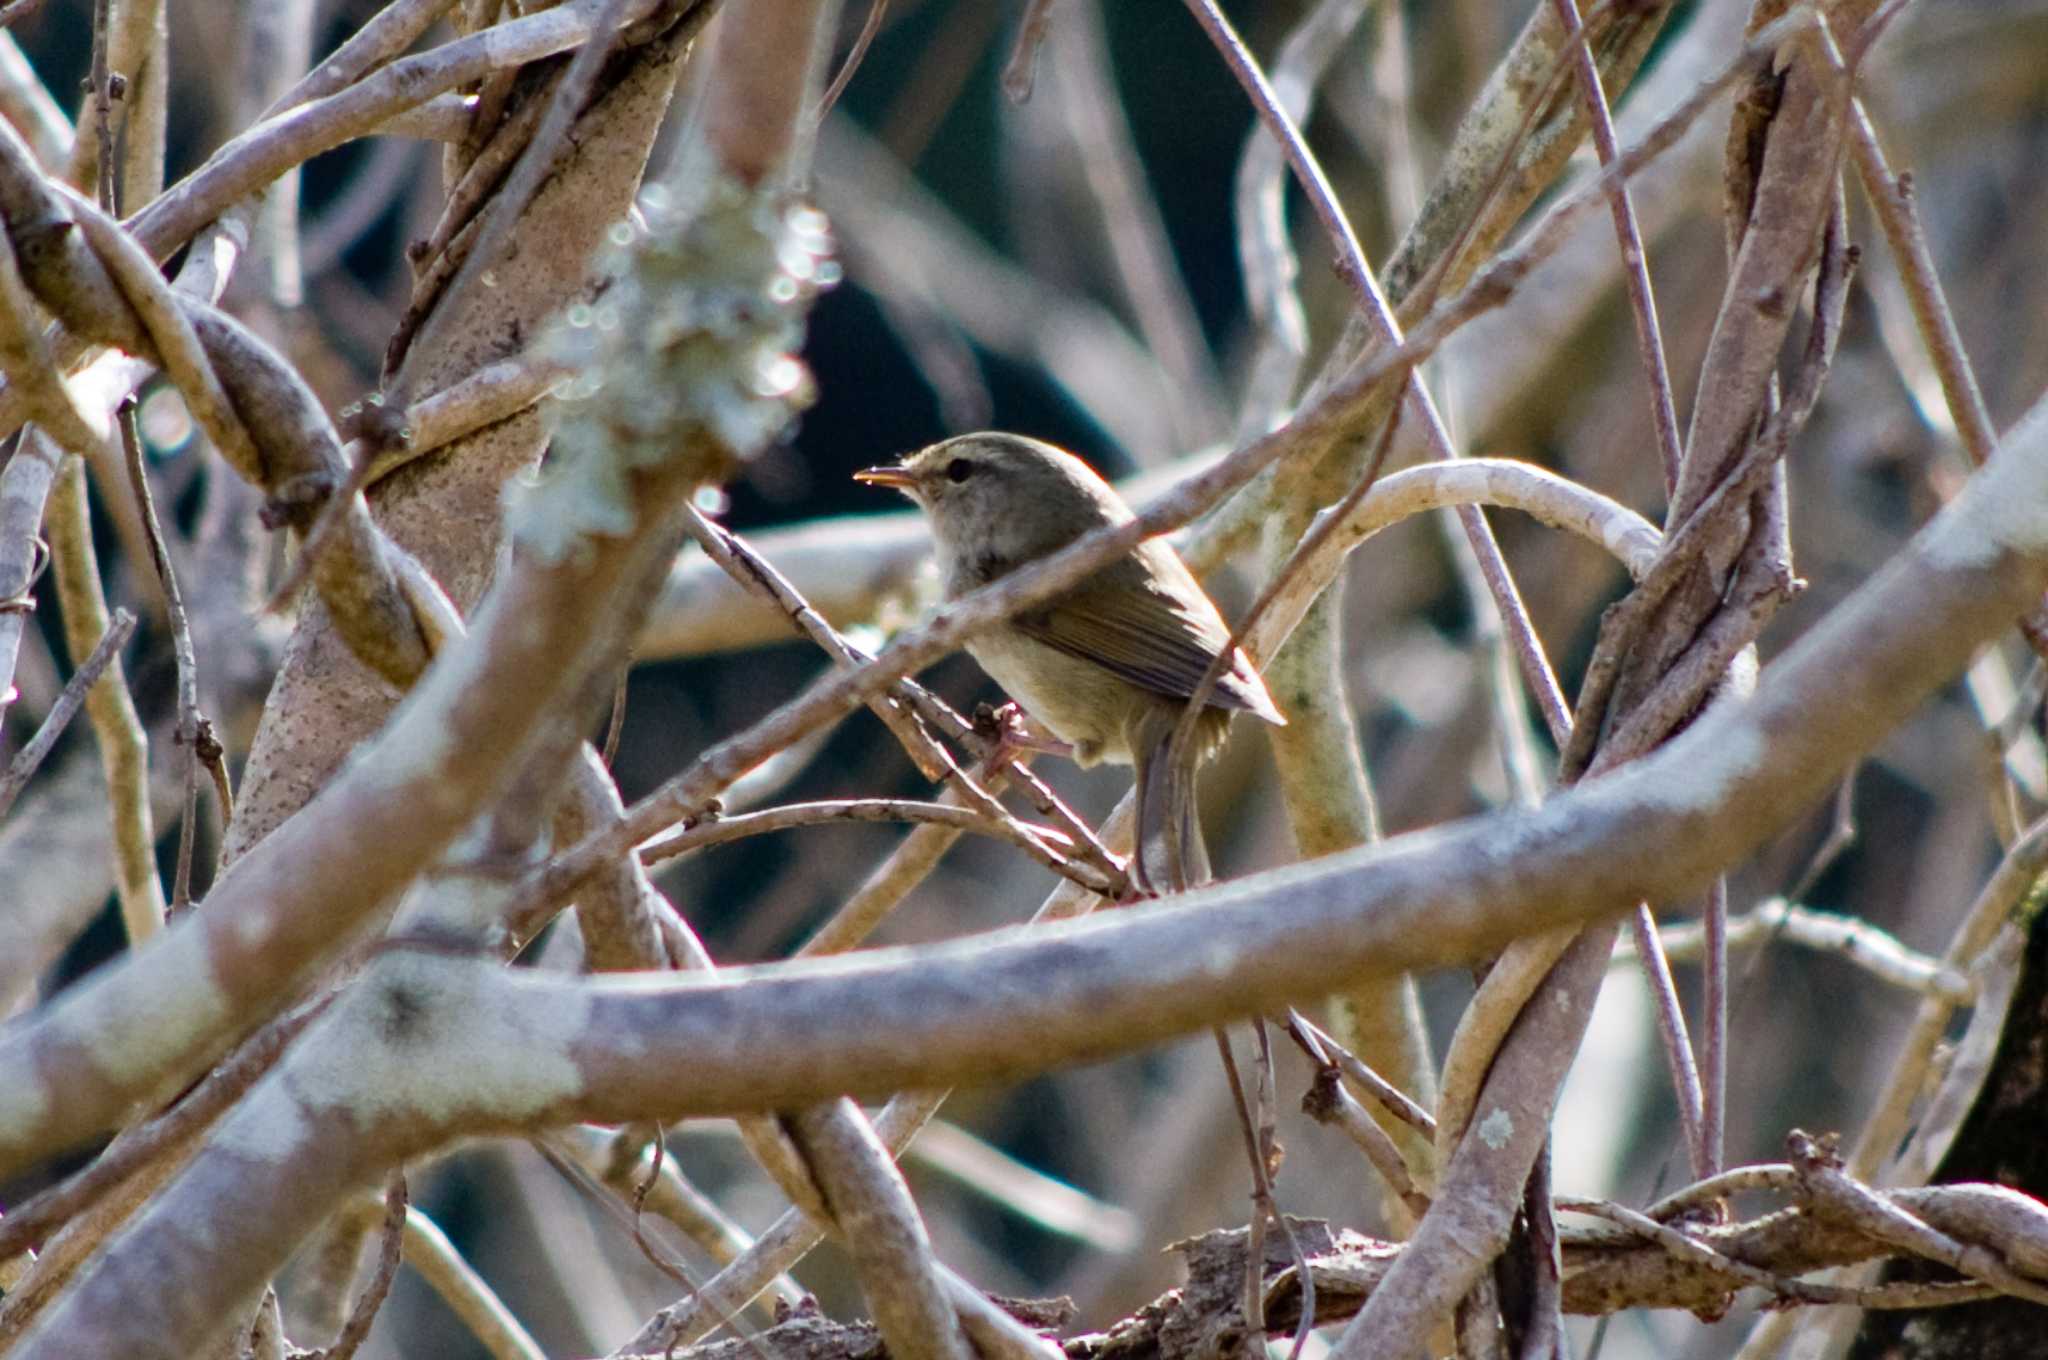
<point>23,767</point>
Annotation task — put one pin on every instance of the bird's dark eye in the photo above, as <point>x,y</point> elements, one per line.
<point>959,470</point>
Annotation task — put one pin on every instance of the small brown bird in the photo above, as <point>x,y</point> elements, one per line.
<point>1109,665</point>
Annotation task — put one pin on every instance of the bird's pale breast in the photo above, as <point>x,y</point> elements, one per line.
<point>1085,706</point>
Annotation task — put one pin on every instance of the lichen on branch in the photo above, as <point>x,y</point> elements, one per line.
<point>689,353</point>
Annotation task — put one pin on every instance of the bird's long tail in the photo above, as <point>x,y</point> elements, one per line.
<point>1170,854</point>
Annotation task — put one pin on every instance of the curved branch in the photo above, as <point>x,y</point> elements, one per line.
<point>1555,500</point>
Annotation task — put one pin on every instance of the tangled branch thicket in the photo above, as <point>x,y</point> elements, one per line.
<point>434,619</point>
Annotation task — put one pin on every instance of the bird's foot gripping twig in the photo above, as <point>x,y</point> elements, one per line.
<point>1014,732</point>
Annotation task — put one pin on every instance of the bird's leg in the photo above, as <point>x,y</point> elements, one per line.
<point>1014,731</point>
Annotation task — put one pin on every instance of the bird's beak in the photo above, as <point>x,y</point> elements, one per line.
<point>897,477</point>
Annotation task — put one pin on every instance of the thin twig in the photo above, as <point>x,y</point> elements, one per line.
<point>1042,844</point>
<point>753,572</point>
<point>615,725</point>
<point>1773,1177</point>
<point>1877,952</point>
<point>214,757</point>
<point>1318,1044</point>
<point>99,99</point>
<point>1255,1123</point>
<point>1537,673</point>
<point>1270,1153</point>
<point>1714,1047</point>
<point>23,767</point>
<point>1896,208</point>
<point>636,1172</point>
<point>868,29</point>
<point>1536,103</point>
<point>1635,263</point>
<point>1254,1297</point>
<point>1841,835</point>
<point>189,717</point>
<point>1672,1031</point>
<point>908,865</point>
<point>1543,1313</point>
<point>1020,70</point>
<point>1327,1102</point>
<point>626,1205</point>
<point>1308,172</point>
<point>390,1246</point>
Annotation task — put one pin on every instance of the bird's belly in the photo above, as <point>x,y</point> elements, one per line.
<point>1085,706</point>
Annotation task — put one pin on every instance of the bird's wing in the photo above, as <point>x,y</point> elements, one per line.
<point>1154,628</point>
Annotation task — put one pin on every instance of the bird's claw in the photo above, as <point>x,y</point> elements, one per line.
<point>1014,732</point>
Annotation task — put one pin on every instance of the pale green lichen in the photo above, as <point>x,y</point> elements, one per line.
<point>162,1011</point>
<point>688,352</point>
<point>444,1040</point>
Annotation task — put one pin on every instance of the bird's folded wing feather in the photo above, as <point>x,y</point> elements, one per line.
<point>1122,620</point>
